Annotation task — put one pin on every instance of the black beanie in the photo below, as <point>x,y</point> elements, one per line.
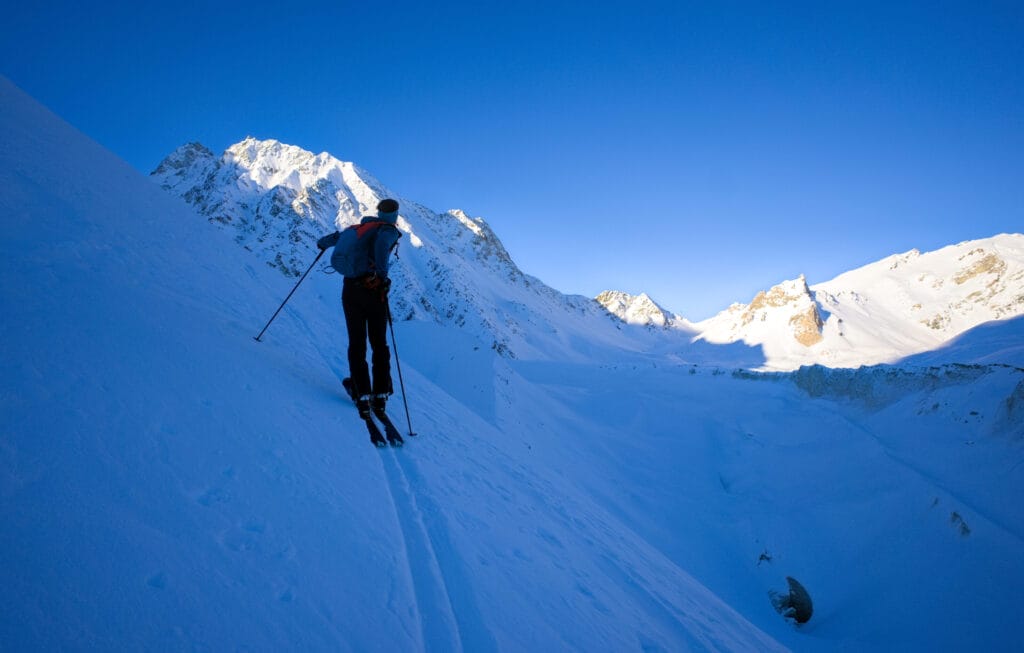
<point>388,206</point>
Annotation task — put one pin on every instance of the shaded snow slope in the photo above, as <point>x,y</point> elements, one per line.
<point>999,341</point>
<point>890,493</point>
<point>168,483</point>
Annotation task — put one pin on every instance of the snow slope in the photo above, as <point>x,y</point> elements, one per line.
<point>903,305</point>
<point>996,342</point>
<point>168,483</point>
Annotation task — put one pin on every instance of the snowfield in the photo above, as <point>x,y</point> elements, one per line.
<point>169,483</point>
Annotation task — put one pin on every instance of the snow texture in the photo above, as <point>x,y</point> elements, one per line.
<point>166,482</point>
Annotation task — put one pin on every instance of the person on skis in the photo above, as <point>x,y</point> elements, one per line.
<point>361,254</point>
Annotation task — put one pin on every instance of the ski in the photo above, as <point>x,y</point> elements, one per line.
<point>394,437</point>
<point>375,435</point>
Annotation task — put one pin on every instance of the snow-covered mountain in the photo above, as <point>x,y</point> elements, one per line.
<point>167,483</point>
<point>638,309</point>
<point>903,305</point>
<point>785,317</point>
<point>277,199</point>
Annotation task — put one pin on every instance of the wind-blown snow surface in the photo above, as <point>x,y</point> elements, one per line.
<point>166,482</point>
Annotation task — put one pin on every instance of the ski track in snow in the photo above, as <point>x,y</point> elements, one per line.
<point>438,628</point>
<point>449,619</point>
<point>449,614</point>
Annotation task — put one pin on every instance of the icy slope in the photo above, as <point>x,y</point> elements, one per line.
<point>169,483</point>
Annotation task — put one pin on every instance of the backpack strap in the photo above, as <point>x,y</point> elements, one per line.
<point>363,227</point>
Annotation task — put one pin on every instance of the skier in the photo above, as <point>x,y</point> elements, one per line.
<point>361,254</point>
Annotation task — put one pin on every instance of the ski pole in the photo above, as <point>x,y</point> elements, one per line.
<point>290,295</point>
<point>398,363</point>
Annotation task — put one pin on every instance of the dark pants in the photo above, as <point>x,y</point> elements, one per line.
<point>366,318</point>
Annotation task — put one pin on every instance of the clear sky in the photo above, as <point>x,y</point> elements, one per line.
<point>697,151</point>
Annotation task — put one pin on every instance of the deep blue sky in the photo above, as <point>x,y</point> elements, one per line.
<point>696,151</point>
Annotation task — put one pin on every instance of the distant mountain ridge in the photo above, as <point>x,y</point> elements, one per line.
<point>637,309</point>
<point>901,305</point>
<point>278,199</point>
